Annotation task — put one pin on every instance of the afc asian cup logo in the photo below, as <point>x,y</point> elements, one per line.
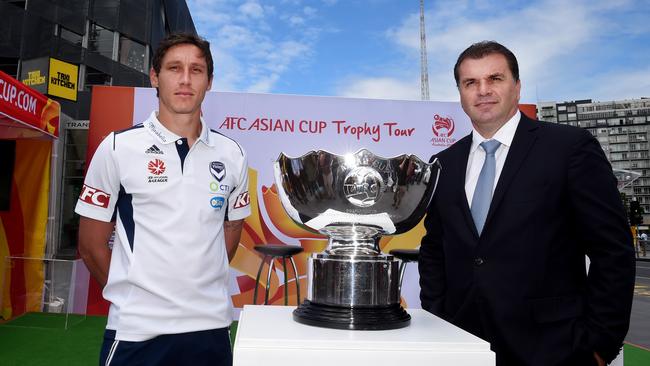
<point>363,186</point>
<point>443,126</point>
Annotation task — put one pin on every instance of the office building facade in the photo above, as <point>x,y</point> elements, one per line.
<point>100,42</point>
<point>622,127</point>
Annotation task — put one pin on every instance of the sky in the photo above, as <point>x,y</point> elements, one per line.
<point>567,50</point>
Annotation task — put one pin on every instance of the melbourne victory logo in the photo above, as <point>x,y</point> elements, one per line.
<point>218,170</point>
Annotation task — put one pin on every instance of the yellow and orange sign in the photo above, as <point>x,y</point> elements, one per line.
<point>62,80</point>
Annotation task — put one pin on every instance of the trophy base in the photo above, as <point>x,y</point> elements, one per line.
<point>352,318</point>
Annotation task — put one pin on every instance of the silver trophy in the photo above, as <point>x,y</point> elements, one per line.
<point>354,199</point>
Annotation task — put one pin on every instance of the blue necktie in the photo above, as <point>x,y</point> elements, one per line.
<point>483,192</point>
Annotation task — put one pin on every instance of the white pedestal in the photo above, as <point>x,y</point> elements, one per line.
<point>268,335</point>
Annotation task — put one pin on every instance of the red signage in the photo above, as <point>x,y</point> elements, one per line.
<point>24,110</point>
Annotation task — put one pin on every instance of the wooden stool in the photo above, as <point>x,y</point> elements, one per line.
<point>275,251</point>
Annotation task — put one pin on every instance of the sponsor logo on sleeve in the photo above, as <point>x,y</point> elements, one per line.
<point>94,196</point>
<point>242,200</point>
<point>217,202</point>
<point>218,170</point>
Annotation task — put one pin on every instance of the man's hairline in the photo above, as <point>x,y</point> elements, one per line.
<point>482,57</point>
<point>203,56</point>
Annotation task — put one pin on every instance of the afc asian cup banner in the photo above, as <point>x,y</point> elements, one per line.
<point>266,125</point>
<point>24,112</point>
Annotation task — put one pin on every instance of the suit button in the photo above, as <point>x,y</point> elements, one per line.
<point>479,261</point>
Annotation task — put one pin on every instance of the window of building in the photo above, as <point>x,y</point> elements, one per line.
<point>95,77</point>
<point>9,65</point>
<point>571,109</point>
<point>561,117</point>
<point>133,54</point>
<point>561,108</point>
<point>73,175</point>
<point>20,4</point>
<point>70,36</point>
<point>572,116</point>
<point>100,40</point>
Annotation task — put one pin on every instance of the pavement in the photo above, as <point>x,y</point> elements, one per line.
<point>639,333</point>
<point>642,249</point>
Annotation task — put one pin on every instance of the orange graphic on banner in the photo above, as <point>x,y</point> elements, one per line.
<point>23,227</point>
<point>50,117</point>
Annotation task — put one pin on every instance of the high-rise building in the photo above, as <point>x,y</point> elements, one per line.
<point>63,48</point>
<point>622,127</point>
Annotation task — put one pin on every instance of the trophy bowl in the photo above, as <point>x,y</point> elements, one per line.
<point>354,199</point>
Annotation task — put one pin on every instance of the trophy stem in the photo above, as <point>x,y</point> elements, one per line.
<point>352,239</point>
<point>353,247</point>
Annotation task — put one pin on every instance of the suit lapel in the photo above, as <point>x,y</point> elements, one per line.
<point>521,144</point>
<point>459,171</point>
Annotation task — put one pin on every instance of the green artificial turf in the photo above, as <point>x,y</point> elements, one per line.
<point>36,339</point>
<point>635,356</point>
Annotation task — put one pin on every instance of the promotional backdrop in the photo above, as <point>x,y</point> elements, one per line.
<point>266,125</point>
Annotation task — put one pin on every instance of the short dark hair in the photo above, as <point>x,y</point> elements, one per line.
<point>485,48</point>
<point>175,39</point>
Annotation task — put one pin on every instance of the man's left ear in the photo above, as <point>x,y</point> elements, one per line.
<point>153,77</point>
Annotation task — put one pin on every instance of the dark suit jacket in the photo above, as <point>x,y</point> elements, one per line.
<point>522,285</point>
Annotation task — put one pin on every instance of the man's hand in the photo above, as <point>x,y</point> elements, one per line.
<point>599,360</point>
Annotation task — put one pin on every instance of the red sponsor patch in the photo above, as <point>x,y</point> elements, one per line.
<point>94,196</point>
<point>156,167</point>
<point>242,200</point>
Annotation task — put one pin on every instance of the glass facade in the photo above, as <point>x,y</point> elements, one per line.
<point>133,54</point>
<point>622,128</point>
<point>111,41</point>
<point>95,77</point>
<point>100,40</point>
<point>76,143</point>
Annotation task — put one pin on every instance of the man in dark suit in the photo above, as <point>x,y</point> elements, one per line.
<point>518,205</point>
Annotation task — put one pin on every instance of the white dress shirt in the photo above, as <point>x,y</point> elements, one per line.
<point>477,155</point>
